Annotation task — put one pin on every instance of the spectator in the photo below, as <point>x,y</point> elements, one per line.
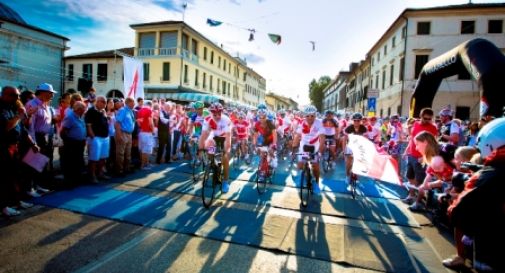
<point>111,118</point>
<point>473,131</point>
<point>146,126</point>
<point>42,129</point>
<point>73,133</point>
<point>12,113</point>
<point>450,131</point>
<point>164,134</point>
<point>416,172</point>
<point>98,139</point>
<point>125,123</point>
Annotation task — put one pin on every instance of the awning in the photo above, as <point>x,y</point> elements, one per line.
<point>189,97</point>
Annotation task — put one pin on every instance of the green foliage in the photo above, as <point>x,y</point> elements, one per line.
<point>316,91</point>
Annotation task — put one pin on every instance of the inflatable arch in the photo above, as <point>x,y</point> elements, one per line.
<point>485,63</point>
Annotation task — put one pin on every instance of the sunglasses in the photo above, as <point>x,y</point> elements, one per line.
<point>216,112</point>
<point>427,119</point>
<point>311,116</point>
<point>357,120</point>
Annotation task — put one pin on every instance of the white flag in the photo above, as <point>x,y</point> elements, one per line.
<point>367,161</point>
<point>133,78</point>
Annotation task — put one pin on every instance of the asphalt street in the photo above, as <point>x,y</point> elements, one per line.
<point>154,221</point>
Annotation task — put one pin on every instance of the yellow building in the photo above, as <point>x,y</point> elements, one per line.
<point>177,58</point>
<point>276,102</point>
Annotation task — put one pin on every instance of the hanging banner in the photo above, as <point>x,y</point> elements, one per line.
<point>213,23</point>
<point>133,78</point>
<point>275,38</point>
<point>372,106</point>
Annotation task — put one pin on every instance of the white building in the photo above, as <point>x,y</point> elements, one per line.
<point>103,70</point>
<point>414,38</point>
<point>29,55</point>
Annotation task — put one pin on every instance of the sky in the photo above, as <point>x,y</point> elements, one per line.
<point>343,30</point>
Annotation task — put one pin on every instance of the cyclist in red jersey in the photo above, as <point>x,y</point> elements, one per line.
<point>265,135</point>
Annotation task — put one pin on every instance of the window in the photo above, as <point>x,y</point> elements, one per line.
<point>194,47</point>
<point>378,57</point>
<point>391,74</point>
<point>185,39</point>
<point>423,28</point>
<point>205,53</point>
<point>87,71</point>
<point>404,34</point>
<point>389,111</point>
<point>402,67</point>
<point>166,72</point>
<point>219,62</point>
<point>382,112</point>
<point>211,84</point>
<point>383,79</point>
<point>219,85</point>
<point>70,73</point>
<point>186,74</point>
<point>421,60</point>
<point>224,64</point>
<point>372,61</point>
<point>393,42</point>
<point>147,43</point>
<point>204,82</point>
<point>377,81</point>
<point>146,72</point>
<point>229,87</point>
<point>212,57</point>
<point>385,50</point>
<point>168,40</point>
<point>467,27</point>
<point>229,68</point>
<point>224,87</point>
<point>101,73</point>
<point>495,26</point>
<point>196,77</point>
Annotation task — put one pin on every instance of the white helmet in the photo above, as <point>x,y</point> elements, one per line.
<point>491,137</point>
<point>309,110</point>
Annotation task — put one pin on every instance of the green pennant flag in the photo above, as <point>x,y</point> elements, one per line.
<point>275,38</point>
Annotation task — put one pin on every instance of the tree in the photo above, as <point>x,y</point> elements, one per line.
<point>316,94</point>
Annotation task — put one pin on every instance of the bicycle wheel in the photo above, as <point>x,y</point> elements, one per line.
<point>325,161</point>
<point>236,158</point>
<point>305,187</point>
<point>261,179</point>
<point>208,186</point>
<point>197,167</point>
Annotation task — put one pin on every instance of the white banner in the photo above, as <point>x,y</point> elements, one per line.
<point>133,78</point>
<point>368,162</point>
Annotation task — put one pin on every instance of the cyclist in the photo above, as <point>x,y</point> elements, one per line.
<point>265,135</point>
<point>216,130</point>
<point>309,137</point>
<point>355,128</point>
<point>331,132</point>
<point>240,127</point>
<point>196,121</point>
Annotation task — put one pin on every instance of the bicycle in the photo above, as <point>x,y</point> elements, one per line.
<point>236,152</point>
<point>353,183</point>
<point>306,176</point>
<point>197,164</point>
<point>213,175</point>
<point>264,174</point>
<point>326,161</point>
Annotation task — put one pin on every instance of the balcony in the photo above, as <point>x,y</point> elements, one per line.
<point>172,51</point>
<point>146,51</point>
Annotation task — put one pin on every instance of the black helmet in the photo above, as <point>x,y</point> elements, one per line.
<point>357,116</point>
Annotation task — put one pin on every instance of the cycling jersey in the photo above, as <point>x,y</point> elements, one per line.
<point>310,134</point>
<point>217,128</point>
<point>197,123</point>
<point>329,126</point>
<point>266,136</point>
<point>241,126</point>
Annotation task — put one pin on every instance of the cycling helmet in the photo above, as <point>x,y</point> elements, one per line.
<point>357,116</point>
<point>309,110</point>
<point>190,105</point>
<point>198,105</point>
<point>373,118</point>
<point>241,115</point>
<point>262,106</point>
<point>216,107</point>
<point>262,112</point>
<point>328,112</point>
<point>490,137</point>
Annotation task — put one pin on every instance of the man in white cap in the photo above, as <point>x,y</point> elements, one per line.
<point>450,130</point>
<point>41,116</point>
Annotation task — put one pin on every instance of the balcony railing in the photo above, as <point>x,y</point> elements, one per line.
<point>146,51</point>
<point>172,51</point>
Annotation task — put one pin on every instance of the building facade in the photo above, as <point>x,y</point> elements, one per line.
<point>276,102</point>
<point>177,58</point>
<point>415,37</point>
<point>29,55</point>
<point>102,70</point>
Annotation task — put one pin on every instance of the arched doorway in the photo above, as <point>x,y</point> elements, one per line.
<point>114,93</point>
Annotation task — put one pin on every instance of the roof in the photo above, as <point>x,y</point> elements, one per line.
<point>403,16</point>
<point>9,15</point>
<point>102,54</point>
